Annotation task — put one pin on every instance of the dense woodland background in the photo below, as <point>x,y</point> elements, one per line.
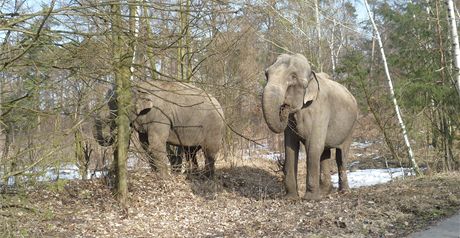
<point>59,57</point>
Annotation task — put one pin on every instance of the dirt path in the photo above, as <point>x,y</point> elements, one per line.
<point>449,228</point>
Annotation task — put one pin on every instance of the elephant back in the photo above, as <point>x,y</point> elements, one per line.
<point>175,98</point>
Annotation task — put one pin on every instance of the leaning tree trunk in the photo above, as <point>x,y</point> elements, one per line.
<point>455,45</point>
<point>393,96</point>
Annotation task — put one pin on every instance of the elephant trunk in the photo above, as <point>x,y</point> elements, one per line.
<point>98,134</point>
<point>274,110</point>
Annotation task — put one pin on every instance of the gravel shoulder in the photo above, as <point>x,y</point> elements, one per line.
<point>448,228</point>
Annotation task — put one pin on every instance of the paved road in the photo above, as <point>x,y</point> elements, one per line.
<point>449,228</point>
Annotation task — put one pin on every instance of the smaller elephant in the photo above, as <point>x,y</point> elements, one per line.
<point>310,109</point>
<point>173,113</point>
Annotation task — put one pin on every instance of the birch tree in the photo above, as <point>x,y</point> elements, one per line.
<point>318,32</point>
<point>455,46</point>
<point>184,42</point>
<point>392,93</point>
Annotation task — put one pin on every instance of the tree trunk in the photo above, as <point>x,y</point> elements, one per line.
<point>444,123</point>
<point>455,45</point>
<point>318,32</point>
<point>180,44</point>
<point>149,49</point>
<point>122,84</point>
<point>183,43</point>
<point>80,154</point>
<point>188,42</point>
<point>393,96</point>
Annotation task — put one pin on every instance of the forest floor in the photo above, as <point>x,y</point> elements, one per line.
<point>244,200</point>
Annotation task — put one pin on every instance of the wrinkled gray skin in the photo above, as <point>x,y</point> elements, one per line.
<point>172,113</point>
<point>313,110</point>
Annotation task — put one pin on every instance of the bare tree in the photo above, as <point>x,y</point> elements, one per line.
<point>392,93</point>
<point>123,99</point>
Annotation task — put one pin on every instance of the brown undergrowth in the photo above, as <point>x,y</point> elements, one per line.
<point>244,200</point>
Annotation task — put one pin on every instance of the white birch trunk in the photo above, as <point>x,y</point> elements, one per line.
<point>390,83</point>
<point>455,46</point>
<point>331,48</point>
<point>318,31</point>
<point>136,13</point>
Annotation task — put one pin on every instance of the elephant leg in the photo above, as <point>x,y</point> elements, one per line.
<point>175,158</point>
<point>341,160</point>
<point>209,167</point>
<point>144,139</point>
<point>192,163</point>
<point>325,179</point>
<point>157,136</point>
<point>291,148</point>
<point>192,158</point>
<point>314,152</point>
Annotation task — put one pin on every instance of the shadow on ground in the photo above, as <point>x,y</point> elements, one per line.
<point>250,182</point>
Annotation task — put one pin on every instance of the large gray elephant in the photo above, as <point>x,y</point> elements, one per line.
<point>313,110</point>
<point>171,113</point>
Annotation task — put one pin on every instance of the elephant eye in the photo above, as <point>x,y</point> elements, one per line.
<point>266,75</point>
<point>292,79</point>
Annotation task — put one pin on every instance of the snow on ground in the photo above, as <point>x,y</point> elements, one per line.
<point>356,179</point>
<point>361,145</point>
<point>369,177</point>
<point>359,178</point>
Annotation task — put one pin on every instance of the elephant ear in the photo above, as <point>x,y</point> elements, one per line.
<point>312,89</point>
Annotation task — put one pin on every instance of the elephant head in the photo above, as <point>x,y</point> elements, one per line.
<point>290,84</point>
<point>138,107</point>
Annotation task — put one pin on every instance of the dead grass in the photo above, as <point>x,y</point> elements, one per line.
<point>245,200</point>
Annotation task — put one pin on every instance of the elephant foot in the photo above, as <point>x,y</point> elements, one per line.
<point>192,172</point>
<point>344,190</point>
<point>326,189</point>
<point>312,196</point>
<point>209,174</point>
<point>292,197</point>
<point>153,167</point>
<point>163,173</point>
<point>195,175</point>
<point>176,169</point>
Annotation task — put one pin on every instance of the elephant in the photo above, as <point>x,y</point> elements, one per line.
<point>313,110</point>
<point>167,113</point>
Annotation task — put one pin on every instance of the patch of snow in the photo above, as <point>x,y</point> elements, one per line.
<point>268,156</point>
<point>377,157</point>
<point>354,163</point>
<point>262,146</point>
<point>132,161</point>
<point>369,177</point>
<point>361,145</point>
<point>67,172</point>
